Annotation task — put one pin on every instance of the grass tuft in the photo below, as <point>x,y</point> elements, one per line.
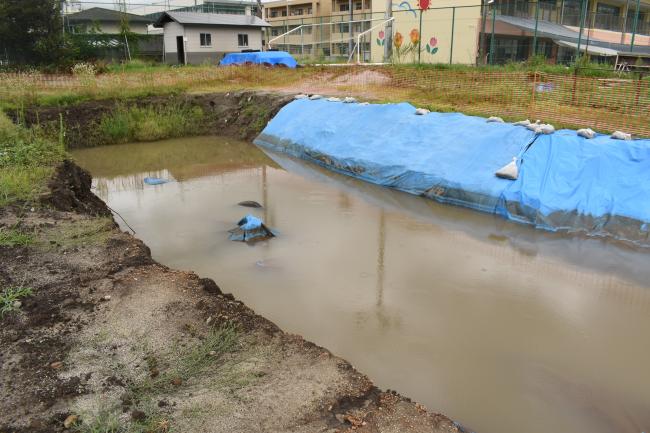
<point>14,238</point>
<point>9,298</point>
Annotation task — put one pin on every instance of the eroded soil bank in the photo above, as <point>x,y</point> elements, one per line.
<point>109,340</point>
<point>240,115</point>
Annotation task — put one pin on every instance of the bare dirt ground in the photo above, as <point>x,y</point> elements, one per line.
<point>111,341</point>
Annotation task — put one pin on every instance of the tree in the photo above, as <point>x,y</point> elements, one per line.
<point>31,32</point>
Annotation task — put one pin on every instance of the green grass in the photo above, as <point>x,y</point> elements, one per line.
<point>8,298</point>
<point>67,234</point>
<point>127,124</point>
<point>27,160</point>
<point>10,237</point>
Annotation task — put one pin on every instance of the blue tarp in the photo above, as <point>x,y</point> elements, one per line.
<point>263,57</point>
<point>600,186</point>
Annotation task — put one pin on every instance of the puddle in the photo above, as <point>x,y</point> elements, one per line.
<point>504,328</point>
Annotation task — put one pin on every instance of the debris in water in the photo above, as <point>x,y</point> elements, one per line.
<point>250,229</point>
<point>154,181</point>
<point>249,203</point>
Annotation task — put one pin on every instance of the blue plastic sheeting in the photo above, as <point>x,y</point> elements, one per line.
<point>264,57</point>
<point>600,186</point>
<point>154,181</point>
<point>250,229</point>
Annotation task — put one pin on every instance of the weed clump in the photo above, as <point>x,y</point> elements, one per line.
<point>149,123</point>
<point>10,299</point>
<point>27,159</point>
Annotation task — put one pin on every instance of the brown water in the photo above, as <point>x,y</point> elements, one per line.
<point>504,328</point>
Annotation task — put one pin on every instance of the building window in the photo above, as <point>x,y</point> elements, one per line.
<point>242,40</point>
<point>358,6</point>
<point>344,7</point>
<point>206,39</point>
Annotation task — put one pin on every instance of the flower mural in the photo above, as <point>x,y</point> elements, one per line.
<point>398,39</point>
<point>415,36</point>
<point>424,4</point>
<point>381,38</point>
<point>431,46</point>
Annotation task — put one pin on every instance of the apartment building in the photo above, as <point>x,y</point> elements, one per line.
<point>321,28</point>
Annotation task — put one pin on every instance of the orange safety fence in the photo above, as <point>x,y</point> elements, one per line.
<point>603,104</point>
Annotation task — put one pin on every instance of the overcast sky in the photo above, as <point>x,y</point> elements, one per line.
<point>136,6</point>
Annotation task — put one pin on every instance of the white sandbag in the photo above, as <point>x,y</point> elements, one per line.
<point>312,97</point>
<point>522,123</point>
<point>546,128</point>
<point>586,133</point>
<point>509,171</point>
<point>349,100</point>
<point>618,135</point>
<point>364,103</point>
<point>494,119</point>
<point>422,111</point>
<point>301,96</point>
<point>534,127</point>
<point>334,99</point>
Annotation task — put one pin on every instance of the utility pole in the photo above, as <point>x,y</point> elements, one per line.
<point>388,32</point>
<point>351,41</point>
<point>635,23</point>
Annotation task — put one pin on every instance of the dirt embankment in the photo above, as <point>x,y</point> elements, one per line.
<point>111,341</point>
<point>240,115</point>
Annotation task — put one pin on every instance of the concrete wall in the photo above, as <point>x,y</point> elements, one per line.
<point>436,28</point>
<point>224,40</point>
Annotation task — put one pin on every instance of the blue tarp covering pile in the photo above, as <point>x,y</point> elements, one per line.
<point>259,58</point>
<point>599,186</point>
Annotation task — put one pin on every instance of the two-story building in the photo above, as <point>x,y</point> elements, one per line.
<point>604,29</point>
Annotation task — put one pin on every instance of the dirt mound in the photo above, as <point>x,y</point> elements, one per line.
<point>69,190</point>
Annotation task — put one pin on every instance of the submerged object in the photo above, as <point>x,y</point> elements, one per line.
<point>250,229</point>
<point>155,181</point>
<point>249,203</point>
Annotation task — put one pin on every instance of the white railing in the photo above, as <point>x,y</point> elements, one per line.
<point>300,27</point>
<point>358,45</point>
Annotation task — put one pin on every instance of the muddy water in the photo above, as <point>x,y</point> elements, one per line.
<point>504,328</point>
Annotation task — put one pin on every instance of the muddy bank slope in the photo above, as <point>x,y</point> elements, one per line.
<point>108,340</point>
<point>240,115</point>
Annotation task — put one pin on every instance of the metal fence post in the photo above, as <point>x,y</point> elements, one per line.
<point>635,23</point>
<point>494,18</point>
<point>536,24</point>
<point>583,10</point>
<point>453,22</point>
<point>420,38</point>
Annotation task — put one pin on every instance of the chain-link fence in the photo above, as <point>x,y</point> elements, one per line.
<point>559,31</point>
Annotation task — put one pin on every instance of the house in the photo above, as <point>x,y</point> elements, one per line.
<point>105,21</point>
<point>194,38</point>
